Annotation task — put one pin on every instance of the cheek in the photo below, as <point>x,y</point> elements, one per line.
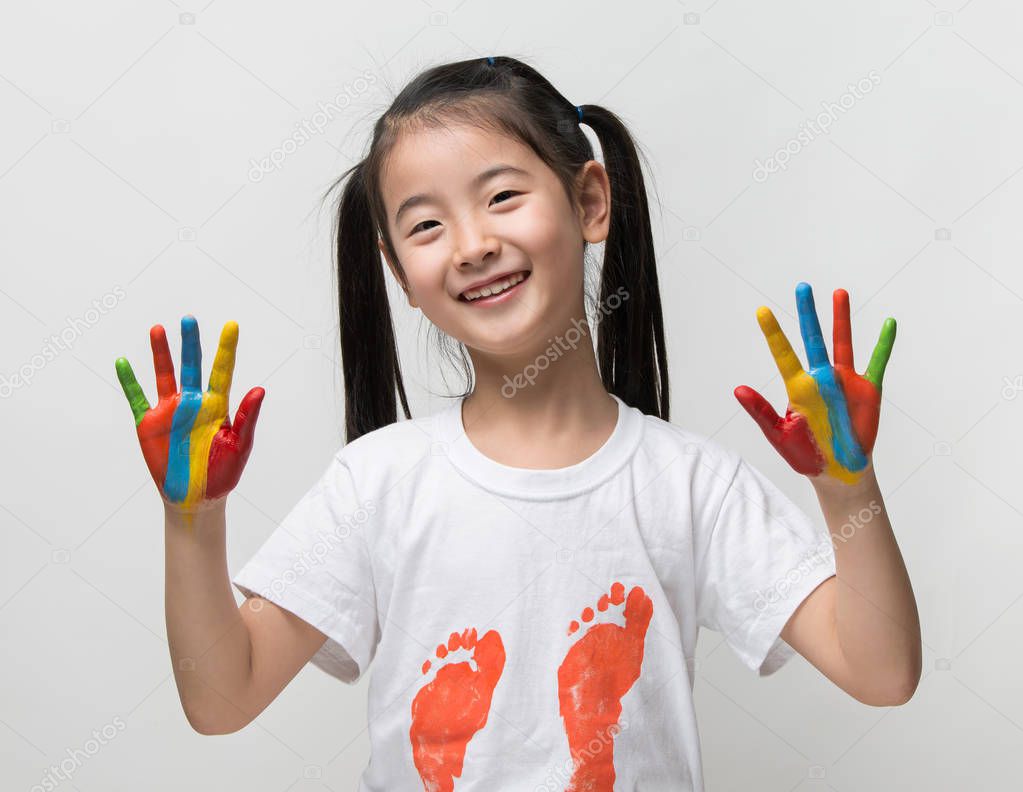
<point>426,277</point>
<point>546,232</point>
<point>554,242</point>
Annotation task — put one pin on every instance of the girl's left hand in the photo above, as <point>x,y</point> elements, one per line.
<point>831,421</point>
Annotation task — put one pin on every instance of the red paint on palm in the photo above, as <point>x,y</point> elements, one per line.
<point>790,436</point>
<point>231,446</point>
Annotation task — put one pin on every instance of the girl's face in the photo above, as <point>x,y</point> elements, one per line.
<point>467,207</point>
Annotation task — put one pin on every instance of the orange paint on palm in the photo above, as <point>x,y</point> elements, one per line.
<point>597,671</point>
<point>450,709</point>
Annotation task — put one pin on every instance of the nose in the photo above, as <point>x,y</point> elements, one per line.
<point>473,243</point>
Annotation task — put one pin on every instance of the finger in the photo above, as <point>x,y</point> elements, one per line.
<point>191,355</point>
<point>246,416</point>
<point>810,327</point>
<point>781,350</point>
<point>132,389</point>
<point>841,331</point>
<point>163,363</point>
<point>882,351</point>
<point>223,363</point>
<point>760,410</point>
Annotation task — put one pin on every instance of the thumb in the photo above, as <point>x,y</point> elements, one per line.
<point>761,411</point>
<point>246,416</point>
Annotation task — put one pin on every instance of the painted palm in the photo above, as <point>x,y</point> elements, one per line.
<point>193,451</point>
<point>830,425</point>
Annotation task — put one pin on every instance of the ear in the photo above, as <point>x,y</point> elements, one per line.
<point>593,193</point>
<point>396,274</point>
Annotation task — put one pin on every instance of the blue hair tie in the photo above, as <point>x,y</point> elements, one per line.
<point>490,60</point>
<point>579,110</point>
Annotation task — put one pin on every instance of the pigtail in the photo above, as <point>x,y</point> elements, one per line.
<point>369,353</point>
<point>630,332</point>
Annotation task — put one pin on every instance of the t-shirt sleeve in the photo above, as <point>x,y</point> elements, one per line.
<point>761,557</point>
<point>316,564</point>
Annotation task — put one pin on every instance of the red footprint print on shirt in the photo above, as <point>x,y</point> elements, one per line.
<point>448,711</point>
<point>597,671</point>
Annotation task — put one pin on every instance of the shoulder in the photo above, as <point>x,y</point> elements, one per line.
<point>719,480</point>
<point>377,459</point>
<point>696,455</point>
<point>692,473</point>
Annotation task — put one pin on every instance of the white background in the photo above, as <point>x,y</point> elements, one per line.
<point>128,134</point>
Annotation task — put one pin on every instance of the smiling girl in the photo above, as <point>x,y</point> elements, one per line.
<point>528,567</point>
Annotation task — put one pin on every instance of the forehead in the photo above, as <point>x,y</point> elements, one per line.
<point>437,158</point>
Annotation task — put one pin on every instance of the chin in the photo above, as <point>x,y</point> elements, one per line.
<point>506,340</point>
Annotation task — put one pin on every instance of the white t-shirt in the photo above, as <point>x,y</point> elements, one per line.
<point>535,629</point>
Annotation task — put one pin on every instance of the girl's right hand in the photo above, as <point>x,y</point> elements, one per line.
<point>194,454</point>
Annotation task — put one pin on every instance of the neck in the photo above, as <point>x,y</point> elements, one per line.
<point>523,406</point>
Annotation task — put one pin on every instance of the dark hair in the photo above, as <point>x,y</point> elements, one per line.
<point>508,96</point>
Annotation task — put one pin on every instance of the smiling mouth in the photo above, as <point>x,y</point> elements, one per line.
<point>489,293</point>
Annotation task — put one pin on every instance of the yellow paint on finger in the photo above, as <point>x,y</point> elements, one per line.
<point>211,414</point>
<point>207,424</point>
<point>804,396</point>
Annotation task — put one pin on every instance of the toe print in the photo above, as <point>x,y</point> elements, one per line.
<point>450,709</point>
<point>597,671</point>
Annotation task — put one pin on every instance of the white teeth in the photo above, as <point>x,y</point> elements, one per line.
<point>494,288</point>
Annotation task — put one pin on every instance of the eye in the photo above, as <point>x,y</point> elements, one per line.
<point>506,192</point>
<point>415,228</point>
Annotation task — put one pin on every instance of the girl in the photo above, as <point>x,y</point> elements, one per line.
<point>529,567</point>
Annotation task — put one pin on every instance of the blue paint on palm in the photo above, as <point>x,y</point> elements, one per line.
<point>846,447</point>
<point>175,483</point>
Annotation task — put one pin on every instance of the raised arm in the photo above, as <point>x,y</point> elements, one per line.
<point>229,662</point>
<point>860,628</point>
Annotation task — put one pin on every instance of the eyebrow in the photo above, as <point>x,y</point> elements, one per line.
<point>480,179</point>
